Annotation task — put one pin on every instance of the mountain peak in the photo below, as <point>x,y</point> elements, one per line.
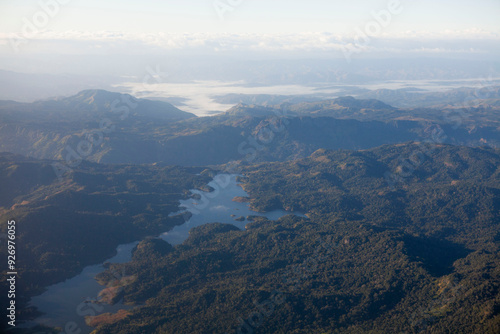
<point>98,96</point>
<point>102,101</point>
<point>95,104</point>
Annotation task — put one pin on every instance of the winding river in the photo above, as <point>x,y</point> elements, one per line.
<point>66,304</point>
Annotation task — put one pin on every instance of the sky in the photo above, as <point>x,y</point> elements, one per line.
<point>252,16</point>
<point>222,40</point>
<point>177,24</point>
<point>47,29</point>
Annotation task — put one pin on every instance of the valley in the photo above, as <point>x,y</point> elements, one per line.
<point>366,258</point>
<point>401,215</point>
<point>249,167</point>
<point>62,303</point>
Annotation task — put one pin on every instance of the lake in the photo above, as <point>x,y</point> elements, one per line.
<point>67,303</point>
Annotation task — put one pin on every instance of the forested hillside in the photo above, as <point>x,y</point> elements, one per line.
<point>65,224</point>
<point>107,127</point>
<point>418,257</point>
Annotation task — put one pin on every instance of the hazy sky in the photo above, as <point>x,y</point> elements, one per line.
<point>148,16</point>
<point>221,39</point>
<point>306,28</point>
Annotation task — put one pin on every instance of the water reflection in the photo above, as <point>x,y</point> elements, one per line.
<point>67,302</point>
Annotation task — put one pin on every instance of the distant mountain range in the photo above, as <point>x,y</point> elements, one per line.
<point>343,107</point>
<point>108,127</point>
<point>485,95</point>
<point>89,105</point>
<point>482,95</point>
<point>408,217</point>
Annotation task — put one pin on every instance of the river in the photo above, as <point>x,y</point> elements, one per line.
<point>65,304</point>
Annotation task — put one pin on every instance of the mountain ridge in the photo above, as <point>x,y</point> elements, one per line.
<point>90,104</point>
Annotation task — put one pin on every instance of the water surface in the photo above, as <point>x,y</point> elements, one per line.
<point>65,304</point>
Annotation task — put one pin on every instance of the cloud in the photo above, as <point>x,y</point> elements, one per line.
<point>468,41</point>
